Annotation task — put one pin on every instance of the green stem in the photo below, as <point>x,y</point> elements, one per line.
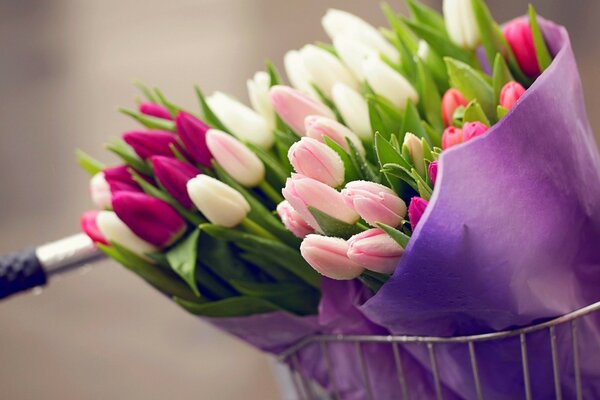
<point>256,229</point>
<point>270,192</point>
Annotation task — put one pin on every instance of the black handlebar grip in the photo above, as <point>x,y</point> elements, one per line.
<point>20,271</point>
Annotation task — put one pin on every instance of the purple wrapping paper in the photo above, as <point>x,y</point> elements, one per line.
<point>511,237</point>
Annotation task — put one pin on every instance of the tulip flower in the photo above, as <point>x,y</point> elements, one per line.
<point>173,175</point>
<point>353,53</point>
<point>297,73</point>
<point>433,171</point>
<point>510,94</point>
<point>416,209</point>
<point>100,191</point>
<point>317,127</point>
<point>89,226</point>
<point>450,102</point>
<point>110,181</point>
<point>341,23</point>
<point>220,203</point>
<point>353,109</point>
<point>389,83</point>
<point>115,230</point>
<point>325,69</point>
<point>328,256</point>
<point>242,121</point>
<point>235,158</point>
<point>375,203</point>
<point>293,220</point>
<point>473,129</point>
<point>414,146</point>
<point>375,250</point>
<point>151,143</point>
<point>520,39</point>
<point>150,218</point>
<point>461,23</point>
<point>192,133</point>
<point>155,110</point>
<point>303,192</point>
<point>316,160</point>
<point>293,107</point>
<point>258,92</point>
<point>451,137</point>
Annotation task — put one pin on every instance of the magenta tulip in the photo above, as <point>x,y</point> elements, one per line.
<point>510,94</point>
<point>155,110</point>
<point>318,161</point>
<point>329,257</point>
<point>375,250</point>
<point>174,175</point>
<point>520,38</point>
<point>292,220</point>
<point>89,226</point>
<point>473,129</point>
<point>450,102</point>
<point>416,209</point>
<point>151,143</point>
<point>433,171</point>
<point>375,203</point>
<point>192,133</point>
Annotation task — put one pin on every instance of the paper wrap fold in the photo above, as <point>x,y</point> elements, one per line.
<point>511,237</point>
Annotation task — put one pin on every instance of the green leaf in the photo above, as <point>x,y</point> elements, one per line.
<point>269,265</point>
<point>366,170</point>
<point>173,109</point>
<point>398,236</point>
<point>350,171</point>
<point>501,112</point>
<point>212,285</point>
<point>471,85</point>
<point>208,115</point>
<point>400,172</point>
<point>146,91</point>
<point>403,34</point>
<point>126,153</point>
<point>88,163</point>
<point>273,166</point>
<point>439,43</point>
<point>431,100</point>
<point>241,306</point>
<point>427,16</point>
<point>412,123</point>
<point>331,226</point>
<point>149,121</point>
<point>501,76</point>
<point>541,50</point>
<point>220,258</point>
<point>474,113</point>
<point>377,124</point>
<point>422,187</point>
<point>275,78</point>
<point>182,258</point>
<point>387,154</point>
<point>296,298</point>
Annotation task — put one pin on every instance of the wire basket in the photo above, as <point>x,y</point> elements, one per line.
<point>308,389</point>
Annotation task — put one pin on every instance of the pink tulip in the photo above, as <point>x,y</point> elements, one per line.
<point>155,110</point>
<point>375,250</point>
<point>90,227</point>
<point>510,94</point>
<point>294,106</point>
<point>519,37</point>
<point>152,219</point>
<point>119,179</point>
<point>328,256</point>
<point>303,192</point>
<point>192,133</point>
<point>375,203</point>
<point>317,127</point>
<point>450,102</point>
<point>473,129</point>
<point>151,143</point>
<point>451,137</point>
<point>416,209</point>
<point>174,175</point>
<point>317,161</point>
<point>433,171</point>
<point>293,220</point>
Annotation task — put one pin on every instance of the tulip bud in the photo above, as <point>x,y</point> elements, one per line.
<point>151,143</point>
<point>243,122</point>
<point>115,230</point>
<point>318,127</point>
<point>100,191</point>
<point>451,137</point>
<point>473,129</point>
<point>258,92</point>
<point>354,110</point>
<point>375,203</point>
<point>450,102</point>
<point>152,219</point>
<point>192,133</point>
<point>89,226</point>
<point>353,54</point>
<point>328,256</point>
<point>293,107</point>
<point>292,220</point>
<point>416,209</point>
<point>415,150</point>
<point>220,203</point>
<point>520,39</point>
<point>341,23</point>
<point>174,175</point>
<point>297,73</point>
<point>303,192</point>
<point>375,250</point>
<point>510,94</point>
<point>389,83</point>
<point>106,183</point>
<point>433,171</point>
<point>235,158</point>
<point>155,110</point>
<point>318,161</point>
<point>461,23</point>
<point>325,69</point>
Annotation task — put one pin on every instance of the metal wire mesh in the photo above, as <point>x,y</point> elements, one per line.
<point>307,389</point>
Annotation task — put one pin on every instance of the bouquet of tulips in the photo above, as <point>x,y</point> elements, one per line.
<point>290,217</point>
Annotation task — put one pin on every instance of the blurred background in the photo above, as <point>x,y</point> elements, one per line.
<point>65,66</point>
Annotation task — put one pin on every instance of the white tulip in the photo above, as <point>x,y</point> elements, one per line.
<point>415,149</point>
<point>354,110</point>
<point>297,73</point>
<point>235,158</point>
<point>353,53</point>
<point>241,120</point>
<point>337,23</point>
<point>258,93</point>
<point>218,202</point>
<point>100,191</point>
<point>115,230</point>
<point>389,83</point>
<point>423,50</point>
<point>325,69</point>
<point>461,23</point>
